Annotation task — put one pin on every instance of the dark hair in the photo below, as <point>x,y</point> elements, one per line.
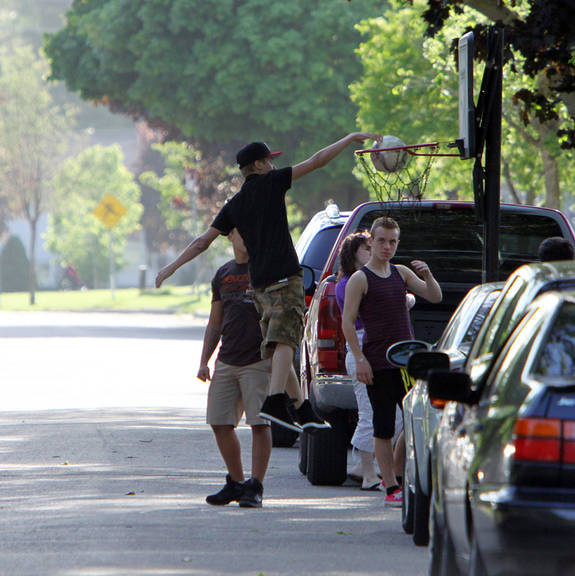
<point>384,222</point>
<point>349,247</point>
<point>555,248</point>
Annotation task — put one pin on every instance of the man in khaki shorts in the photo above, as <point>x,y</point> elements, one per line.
<point>259,213</point>
<point>240,382</point>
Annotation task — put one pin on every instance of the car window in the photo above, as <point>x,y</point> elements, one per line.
<point>451,240</point>
<point>557,356</point>
<point>477,321</point>
<point>320,247</point>
<point>499,326</point>
<point>506,382</point>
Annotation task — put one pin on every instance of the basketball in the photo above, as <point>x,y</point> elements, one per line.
<point>389,160</point>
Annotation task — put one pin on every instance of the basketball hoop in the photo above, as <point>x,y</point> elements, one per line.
<point>407,183</point>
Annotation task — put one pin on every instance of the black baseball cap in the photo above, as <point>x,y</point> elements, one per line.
<point>252,152</point>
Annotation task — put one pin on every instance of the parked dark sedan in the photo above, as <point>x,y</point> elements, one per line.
<point>504,454</point>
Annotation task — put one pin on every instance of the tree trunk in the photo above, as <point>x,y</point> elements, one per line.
<point>551,172</point>
<point>32,262</point>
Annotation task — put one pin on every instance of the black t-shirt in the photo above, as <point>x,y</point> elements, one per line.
<point>241,334</point>
<point>259,213</point>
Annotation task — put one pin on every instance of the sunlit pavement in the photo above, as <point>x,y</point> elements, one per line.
<point>106,460</point>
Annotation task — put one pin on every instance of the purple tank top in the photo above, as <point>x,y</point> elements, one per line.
<point>385,316</point>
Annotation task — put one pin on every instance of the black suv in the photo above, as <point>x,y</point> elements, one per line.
<point>449,238</point>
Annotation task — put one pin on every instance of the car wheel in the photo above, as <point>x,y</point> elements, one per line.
<point>303,445</point>
<point>407,502</point>
<point>420,515</point>
<point>327,452</point>
<point>282,437</point>
<point>476,566</point>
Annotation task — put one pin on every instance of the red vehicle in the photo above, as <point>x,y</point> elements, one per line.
<point>448,237</point>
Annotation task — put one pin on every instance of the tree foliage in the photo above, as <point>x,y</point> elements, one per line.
<point>410,88</point>
<point>74,233</point>
<point>220,73</point>
<point>540,36</point>
<point>34,135</point>
<point>14,266</point>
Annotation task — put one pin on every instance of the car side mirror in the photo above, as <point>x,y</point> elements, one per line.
<point>444,386</point>
<point>421,364</point>
<point>309,282</point>
<point>398,354</point>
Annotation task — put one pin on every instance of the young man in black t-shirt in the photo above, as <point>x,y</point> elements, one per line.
<point>240,382</point>
<point>259,213</point>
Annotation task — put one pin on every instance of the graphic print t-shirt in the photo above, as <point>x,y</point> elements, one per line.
<point>241,334</point>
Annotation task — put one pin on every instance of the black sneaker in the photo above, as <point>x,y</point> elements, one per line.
<point>253,492</point>
<point>231,492</point>
<point>307,418</point>
<point>275,408</point>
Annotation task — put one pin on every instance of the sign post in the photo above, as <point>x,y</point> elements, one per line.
<point>110,211</point>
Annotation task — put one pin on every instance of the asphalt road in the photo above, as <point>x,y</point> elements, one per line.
<point>105,461</point>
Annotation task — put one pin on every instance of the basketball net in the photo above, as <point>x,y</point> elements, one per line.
<point>406,184</point>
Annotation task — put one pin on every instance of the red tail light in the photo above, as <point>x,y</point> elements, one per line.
<point>569,442</point>
<point>545,440</point>
<point>538,439</point>
<point>329,336</point>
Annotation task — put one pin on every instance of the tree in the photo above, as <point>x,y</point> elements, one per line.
<point>540,34</point>
<point>34,134</point>
<point>410,86</point>
<point>220,73</point>
<point>14,266</point>
<point>74,233</point>
<point>192,191</point>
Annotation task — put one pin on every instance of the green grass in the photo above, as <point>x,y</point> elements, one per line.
<point>170,299</point>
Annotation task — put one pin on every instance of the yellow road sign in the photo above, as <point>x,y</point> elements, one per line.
<point>110,210</point>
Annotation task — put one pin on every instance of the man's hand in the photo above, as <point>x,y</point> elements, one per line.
<point>163,274</point>
<point>362,136</point>
<point>363,371</point>
<point>421,269</point>
<point>204,373</point>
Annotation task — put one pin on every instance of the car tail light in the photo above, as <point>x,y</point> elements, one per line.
<point>569,442</point>
<point>329,333</point>
<point>543,451</point>
<point>538,439</point>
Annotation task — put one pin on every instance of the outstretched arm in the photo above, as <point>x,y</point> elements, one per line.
<point>193,249</point>
<point>211,338</point>
<point>322,157</point>
<point>421,282</point>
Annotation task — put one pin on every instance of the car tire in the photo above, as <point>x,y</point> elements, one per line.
<point>407,502</point>
<point>327,452</point>
<point>303,446</point>
<point>420,515</point>
<point>282,437</point>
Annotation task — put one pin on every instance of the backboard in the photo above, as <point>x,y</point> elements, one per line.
<point>466,142</point>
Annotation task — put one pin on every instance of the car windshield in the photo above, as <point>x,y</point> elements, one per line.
<point>456,239</point>
<point>557,356</point>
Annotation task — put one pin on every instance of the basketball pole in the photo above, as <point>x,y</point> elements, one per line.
<point>493,163</point>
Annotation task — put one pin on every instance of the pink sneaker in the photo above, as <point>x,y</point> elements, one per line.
<point>394,499</point>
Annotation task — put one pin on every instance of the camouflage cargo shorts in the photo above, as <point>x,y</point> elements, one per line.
<point>281,307</point>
